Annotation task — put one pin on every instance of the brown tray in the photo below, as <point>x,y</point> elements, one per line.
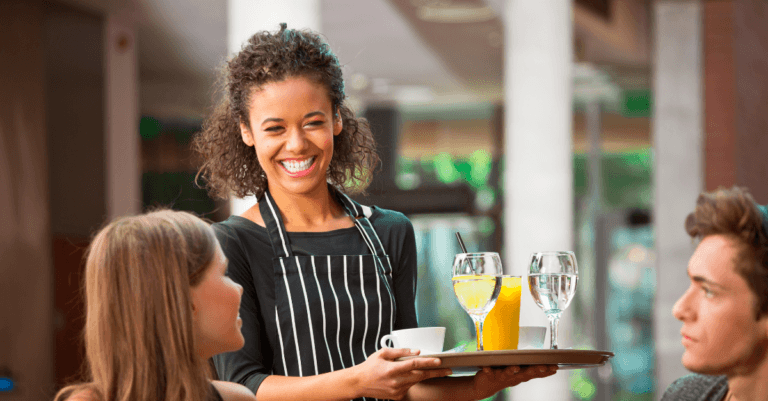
<point>563,358</point>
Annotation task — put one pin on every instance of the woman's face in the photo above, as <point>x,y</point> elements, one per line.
<point>216,310</point>
<point>720,332</point>
<point>292,126</point>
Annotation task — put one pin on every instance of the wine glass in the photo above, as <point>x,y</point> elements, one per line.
<point>552,279</point>
<point>477,282</point>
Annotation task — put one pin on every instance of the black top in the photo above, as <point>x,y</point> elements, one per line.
<point>250,254</point>
<point>696,387</point>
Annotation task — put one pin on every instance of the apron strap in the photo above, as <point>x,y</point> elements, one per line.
<point>279,237</point>
<point>361,214</point>
<point>275,227</point>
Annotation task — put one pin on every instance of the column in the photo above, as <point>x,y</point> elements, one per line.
<point>121,133</point>
<point>538,176</point>
<point>247,17</point>
<point>677,138</point>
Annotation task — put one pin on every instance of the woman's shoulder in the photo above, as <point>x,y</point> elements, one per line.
<point>381,216</point>
<point>237,230</point>
<point>232,391</point>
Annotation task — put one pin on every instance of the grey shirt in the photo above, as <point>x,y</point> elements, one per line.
<point>696,387</point>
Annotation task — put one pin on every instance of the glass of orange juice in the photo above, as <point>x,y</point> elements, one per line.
<point>502,324</point>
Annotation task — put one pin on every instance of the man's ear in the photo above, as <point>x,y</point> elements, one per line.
<point>246,134</point>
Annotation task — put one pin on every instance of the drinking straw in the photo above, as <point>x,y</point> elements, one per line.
<point>461,243</point>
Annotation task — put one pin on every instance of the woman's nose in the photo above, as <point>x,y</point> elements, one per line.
<point>296,140</point>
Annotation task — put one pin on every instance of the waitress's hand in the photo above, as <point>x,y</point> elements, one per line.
<point>381,376</point>
<point>489,381</point>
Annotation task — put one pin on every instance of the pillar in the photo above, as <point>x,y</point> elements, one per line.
<point>677,139</point>
<point>538,176</point>
<point>121,134</point>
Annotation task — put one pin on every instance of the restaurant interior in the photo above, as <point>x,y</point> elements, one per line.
<point>661,100</point>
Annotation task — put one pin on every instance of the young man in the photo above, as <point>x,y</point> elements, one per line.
<point>725,309</point>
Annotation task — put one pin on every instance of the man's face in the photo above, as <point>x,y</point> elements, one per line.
<point>720,332</point>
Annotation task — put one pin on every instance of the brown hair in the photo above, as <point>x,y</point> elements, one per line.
<point>139,332</point>
<point>734,213</point>
<point>229,165</point>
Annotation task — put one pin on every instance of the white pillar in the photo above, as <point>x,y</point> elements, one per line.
<point>538,177</point>
<point>123,149</point>
<point>247,17</point>
<point>678,145</point>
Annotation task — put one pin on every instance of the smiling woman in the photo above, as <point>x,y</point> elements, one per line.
<point>294,124</point>
<point>229,165</point>
<point>324,277</point>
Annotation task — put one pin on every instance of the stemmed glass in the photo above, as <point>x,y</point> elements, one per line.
<point>552,279</point>
<point>477,282</point>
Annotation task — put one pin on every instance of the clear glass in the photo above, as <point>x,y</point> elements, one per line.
<point>552,278</point>
<point>476,283</point>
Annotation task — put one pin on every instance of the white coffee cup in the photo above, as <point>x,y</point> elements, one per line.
<point>427,339</point>
<point>531,337</point>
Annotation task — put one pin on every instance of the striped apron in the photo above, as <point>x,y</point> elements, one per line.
<point>331,310</point>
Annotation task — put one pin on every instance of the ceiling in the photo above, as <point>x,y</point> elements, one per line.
<point>392,50</point>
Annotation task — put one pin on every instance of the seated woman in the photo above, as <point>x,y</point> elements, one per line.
<point>158,305</point>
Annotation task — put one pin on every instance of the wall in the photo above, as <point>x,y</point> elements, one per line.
<point>74,85</point>
<point>736,94</point>
<point>26,280</point>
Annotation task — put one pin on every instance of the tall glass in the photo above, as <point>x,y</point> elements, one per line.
<point>476,283</point>
<point>552,279</point>
<point>502,325</point>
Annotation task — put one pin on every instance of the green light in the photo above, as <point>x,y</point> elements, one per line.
<point>445,169</point>
<point>149,128</point>
<point>480,162</point>
<point>637,103</point>
<point>582,386</point>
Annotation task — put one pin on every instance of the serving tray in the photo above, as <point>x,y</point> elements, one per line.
<point>564,358</point>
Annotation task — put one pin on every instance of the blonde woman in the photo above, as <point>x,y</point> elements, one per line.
<point>158,305</point>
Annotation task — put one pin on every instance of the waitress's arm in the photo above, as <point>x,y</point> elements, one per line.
<point>482,385</point>
<point>380,376</point>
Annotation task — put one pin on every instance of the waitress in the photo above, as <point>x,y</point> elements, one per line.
<point>324,277</point>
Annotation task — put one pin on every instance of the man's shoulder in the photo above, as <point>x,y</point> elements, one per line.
<point>697,387</point>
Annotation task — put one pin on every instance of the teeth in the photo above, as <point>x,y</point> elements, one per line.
<point>295,167</point>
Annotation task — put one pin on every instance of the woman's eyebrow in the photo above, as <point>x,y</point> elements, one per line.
<point>314,113</point>
<point>279,120</point>
<point>272,120</point>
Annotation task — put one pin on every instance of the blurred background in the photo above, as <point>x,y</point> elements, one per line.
<point>526,125</point>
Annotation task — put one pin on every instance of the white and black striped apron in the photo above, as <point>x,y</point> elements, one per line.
<point>330,310</point>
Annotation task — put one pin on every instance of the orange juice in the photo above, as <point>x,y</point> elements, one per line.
<point>502,325</point>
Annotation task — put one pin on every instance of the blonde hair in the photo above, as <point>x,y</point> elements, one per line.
<point>139,332</point>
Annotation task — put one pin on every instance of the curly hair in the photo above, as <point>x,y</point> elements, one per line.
<point>229,166</point>
<point>734,214</point>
